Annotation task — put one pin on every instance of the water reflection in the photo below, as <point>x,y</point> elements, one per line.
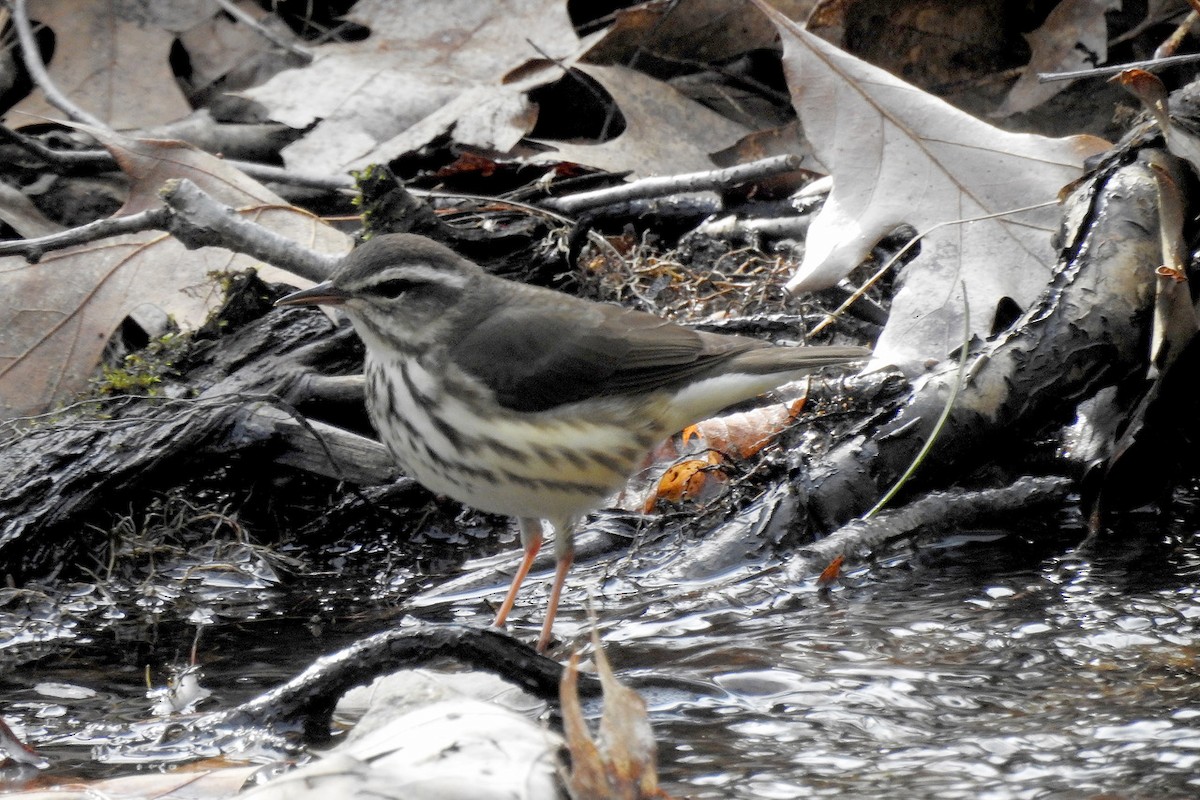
<point>1076,676</point>
<point>984,669</point>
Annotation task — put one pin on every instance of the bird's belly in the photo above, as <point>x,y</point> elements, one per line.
<point>552,465</point>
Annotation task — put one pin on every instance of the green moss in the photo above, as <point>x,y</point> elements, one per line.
<point>143,371</point>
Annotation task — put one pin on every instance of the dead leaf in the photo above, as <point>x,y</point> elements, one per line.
<point>689,479</point>
<point>1074,36</point>
<point>225,55</point>
<point>692,30</point>
<point>665,132</point>
<point>832,573</point>
<point>621,763</point>
<point>693,473</point>
<point>899,155</point>
<point>110,60</point>
<point>1150,91</point>
<point>58,315</point>
<point>490,118</point>
<point>934,44</point>
<point>745,433</point>
<point>22,215</point>
<point>419,58</point>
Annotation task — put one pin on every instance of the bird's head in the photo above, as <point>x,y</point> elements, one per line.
<point>397,289</point>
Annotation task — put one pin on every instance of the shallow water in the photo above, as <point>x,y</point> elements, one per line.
<point>1075,678</point>
<point>1003,668</point>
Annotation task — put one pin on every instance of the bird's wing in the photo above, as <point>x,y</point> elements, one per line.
<point>536,358</point>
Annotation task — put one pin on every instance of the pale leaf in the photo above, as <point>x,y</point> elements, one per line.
<point>1073,37</point>
<point>898,155</point>
<point>665,132</point>
<point>418,58</point>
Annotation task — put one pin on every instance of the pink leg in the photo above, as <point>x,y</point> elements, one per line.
<point>564,553</point>
<point>560,580</point>
<point>531,540</point>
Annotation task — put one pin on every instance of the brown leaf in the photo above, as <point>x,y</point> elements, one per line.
<point>745,433</point>
<point>59,314</point>
<point>686,480</point>
<point>691,30</point>
<point>110,60</point>
<point>696,476</point>
<point>621,763</point>
<point>1149,89</point>
<point>832,573</point>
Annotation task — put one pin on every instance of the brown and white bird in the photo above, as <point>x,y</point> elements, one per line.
<point>523,401</point>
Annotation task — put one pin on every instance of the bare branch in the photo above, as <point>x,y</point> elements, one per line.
<point>675,184</point>
<point>33,249</point>
<point>236,11</point>
<point>195,219</point>
<point>31,56</point>
<point>198,220</point>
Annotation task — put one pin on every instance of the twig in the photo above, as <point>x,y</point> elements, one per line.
<point>97,159</point>
<point>102,159</point>
<point>33,249</point>
<point>1104,72</point>
<point>201,221</point>
<point>674,184</point>
<point>311,180</point>
<point>944,509</point>
<point>238,13</point>
<point>197,220</point>
<point>31,56</point>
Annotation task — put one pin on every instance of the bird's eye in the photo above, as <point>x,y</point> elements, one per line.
<point>393,288</point>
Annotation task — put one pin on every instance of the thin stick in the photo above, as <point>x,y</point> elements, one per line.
<point>674,184</point>
<point>833,316</point>
<point>31,56</point>
<point>239,14</point>
<point>1104,72</point>
<point>941,423</point>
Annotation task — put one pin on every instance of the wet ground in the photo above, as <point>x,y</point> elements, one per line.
<point>984,665</point>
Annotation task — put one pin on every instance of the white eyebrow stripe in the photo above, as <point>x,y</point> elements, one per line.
<point>423,273</point>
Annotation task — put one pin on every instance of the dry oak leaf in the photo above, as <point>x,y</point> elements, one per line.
<point>1074,36</point>
<point>744,433</point>
<point>56,316</point>
<point>739,435</point>
<point>112,58</point>
<point>832,572</point>
<point>665,132</point>
<point>984,198</point>
<point>418,58</point>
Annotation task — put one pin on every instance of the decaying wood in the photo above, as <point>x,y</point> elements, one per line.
<point>1090,330</point>
<point>299,711</point>
<point>1087,332</point>
<point>237,399</point>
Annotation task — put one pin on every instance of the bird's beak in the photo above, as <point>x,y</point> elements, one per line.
<point>322,294</point>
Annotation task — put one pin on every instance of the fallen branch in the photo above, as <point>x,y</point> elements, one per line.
<point>675,184</point>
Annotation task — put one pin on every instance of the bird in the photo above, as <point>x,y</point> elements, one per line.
<point>528,402</point>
